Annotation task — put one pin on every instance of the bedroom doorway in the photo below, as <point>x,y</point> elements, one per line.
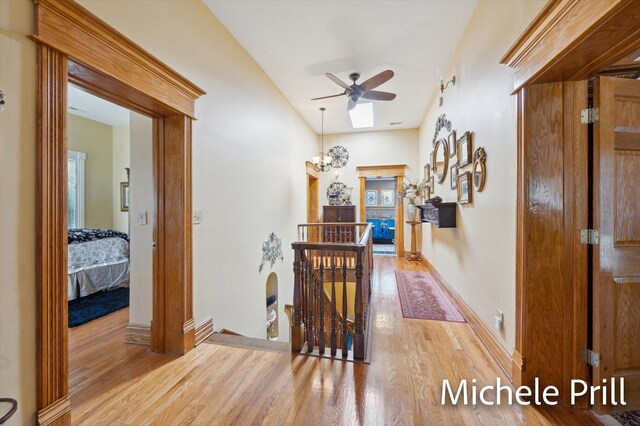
<point>74,46</point>
<point>380,209</point>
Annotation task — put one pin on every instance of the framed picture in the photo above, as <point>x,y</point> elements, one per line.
<point>453,176</point>
<point>433,160</point>
<point>464,150</point>
<point>464,188</point>
<point>432,183</point>
<point>387,198</point>
<point>124,196</point>
<point>371,197</point>
<point>427,172</point>
<point>451,141</point>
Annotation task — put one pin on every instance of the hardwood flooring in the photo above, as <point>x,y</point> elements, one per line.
<point>115,383</point>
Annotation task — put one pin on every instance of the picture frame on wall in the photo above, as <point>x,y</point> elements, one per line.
<point>452,142</point>
<point>432,160</point>
<point>124,196</point>
<point>427,172</point>
<point>371,198</point>
<point>464,188</point>
<point>464,152</point>
<point>387,198</point>
<point>453,176</point>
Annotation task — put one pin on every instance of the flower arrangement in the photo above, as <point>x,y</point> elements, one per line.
<point>411,189</point>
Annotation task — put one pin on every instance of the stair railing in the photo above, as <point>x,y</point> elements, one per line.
<point>332,287</point>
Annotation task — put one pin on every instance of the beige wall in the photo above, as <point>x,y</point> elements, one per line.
<point>96,140</point>
<point>141,200</point>
<point>249,148</point>
<point>121,160</point>
<point>17,212</point>
<point>478,257</point>
<point>372,149</point>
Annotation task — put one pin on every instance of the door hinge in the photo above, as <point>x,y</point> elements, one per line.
<point>589,236</point>
<point>589,115</point>
<point>590,357</point>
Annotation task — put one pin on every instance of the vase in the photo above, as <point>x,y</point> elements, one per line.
<point>412,210</point>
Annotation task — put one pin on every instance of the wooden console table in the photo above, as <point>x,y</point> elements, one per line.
<point>413,256</point>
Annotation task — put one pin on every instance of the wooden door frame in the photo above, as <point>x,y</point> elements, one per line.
<point>396,171</point>
<point>312,174</point>
<point>567,43</point>
<point>75,46</point>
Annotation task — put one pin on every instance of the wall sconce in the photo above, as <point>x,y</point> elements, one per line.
<point>2,101</point>
<point>444,86</point>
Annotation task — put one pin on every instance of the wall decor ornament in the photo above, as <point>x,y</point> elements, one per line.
<point>339,156</point>
<point>371,198</point>
<point>335,193</point>
<point>479,169</point>
<point>441,123</point>
<point>454,176</point>
<point>451,141</point>
<point>271,251</point>
<point>441,158</point>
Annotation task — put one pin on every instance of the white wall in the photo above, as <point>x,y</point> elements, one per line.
<point>17,209</point>
<point>478,257</point>
<point>121,160</point>
<point>141,236</point>
<point>372,149</point>
<point>249,149</point>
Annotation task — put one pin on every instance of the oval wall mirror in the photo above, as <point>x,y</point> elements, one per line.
<point>441,160</point>
<point>479,169</point>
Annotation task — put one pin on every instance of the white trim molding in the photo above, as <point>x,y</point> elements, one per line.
<point>80,158</point>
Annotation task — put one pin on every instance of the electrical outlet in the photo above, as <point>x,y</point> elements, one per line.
<point>498,320</point>
<point>197,216</point>
<point>141,218</point>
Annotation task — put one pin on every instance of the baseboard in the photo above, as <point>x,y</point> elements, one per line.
<point>486,336</point>
<point>517,368</point>
<point>204,330</point>
<point>55,412</point>
<point>138,334</point>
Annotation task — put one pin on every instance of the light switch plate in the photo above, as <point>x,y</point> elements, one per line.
<point>197,217</point>
<point>141,218</point>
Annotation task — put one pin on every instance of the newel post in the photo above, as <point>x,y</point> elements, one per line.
<point>358,338</point>
<point>296,332</point>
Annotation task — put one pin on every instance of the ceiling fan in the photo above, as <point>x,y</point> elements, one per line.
<point>362,90</point>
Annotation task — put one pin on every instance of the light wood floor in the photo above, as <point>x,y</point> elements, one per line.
<point>115,383</point>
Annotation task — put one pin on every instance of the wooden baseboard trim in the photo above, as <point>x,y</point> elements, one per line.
<point>138,334</point>
<point>54,412</point>
<point>517,367</point>
<point>204,330</point>
<point>496,349</point>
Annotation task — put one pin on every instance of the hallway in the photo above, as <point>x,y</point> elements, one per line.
<point>115,383</point>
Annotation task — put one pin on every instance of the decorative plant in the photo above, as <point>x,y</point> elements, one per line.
<point>411,189</point>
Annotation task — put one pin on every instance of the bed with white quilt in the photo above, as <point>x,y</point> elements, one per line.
<point>98,259</point>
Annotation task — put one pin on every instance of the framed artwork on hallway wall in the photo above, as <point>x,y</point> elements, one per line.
<point>124,196</point>
<point>464,188</point>
<point>371,198</point>
<point>387,198</point>
<point>464,150</point>
<point>453,176</point>
<point>452,142</point>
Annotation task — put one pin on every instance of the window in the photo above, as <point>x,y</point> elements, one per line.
<point>75,189</point>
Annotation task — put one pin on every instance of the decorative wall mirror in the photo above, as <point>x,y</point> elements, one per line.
<point>441,154</point>
<point>479,169</point>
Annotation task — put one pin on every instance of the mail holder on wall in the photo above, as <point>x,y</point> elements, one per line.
<point>442,215</point>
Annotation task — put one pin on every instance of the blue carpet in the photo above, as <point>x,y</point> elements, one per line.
<point>97,305</point>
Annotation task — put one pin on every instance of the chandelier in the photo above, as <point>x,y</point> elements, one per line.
<point>322,161</point>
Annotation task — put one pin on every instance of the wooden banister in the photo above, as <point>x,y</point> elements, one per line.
<point>329,255</point>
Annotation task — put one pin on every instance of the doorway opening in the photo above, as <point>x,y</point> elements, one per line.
<point>380,210</point>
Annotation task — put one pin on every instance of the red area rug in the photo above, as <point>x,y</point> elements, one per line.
<point>421,297</point>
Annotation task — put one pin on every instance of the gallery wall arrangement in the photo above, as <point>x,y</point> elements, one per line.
<point>468,171</point>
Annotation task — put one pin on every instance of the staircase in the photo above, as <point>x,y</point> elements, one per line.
<point>332,287</point>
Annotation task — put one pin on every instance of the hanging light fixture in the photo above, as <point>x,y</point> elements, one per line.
<point>322,162</point>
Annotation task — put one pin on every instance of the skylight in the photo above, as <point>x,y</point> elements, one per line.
<point>362,115</point>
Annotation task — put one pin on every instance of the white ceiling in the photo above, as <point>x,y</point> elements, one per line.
<point>296,42</point>
<point>94,108</point>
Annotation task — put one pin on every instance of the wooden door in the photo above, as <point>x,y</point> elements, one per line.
<point>616,259</point>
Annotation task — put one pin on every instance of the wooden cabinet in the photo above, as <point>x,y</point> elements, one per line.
<point>443,215</point>
<point>339,214</point>
<point>332,214</point>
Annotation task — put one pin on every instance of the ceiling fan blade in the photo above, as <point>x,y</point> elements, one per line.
<point>352,104</point>
<point>337,81</point>
<point>326,97</point>
<point>376,80</point>
<point>379,96</point>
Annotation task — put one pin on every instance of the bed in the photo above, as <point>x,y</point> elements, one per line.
<point>98,259</point>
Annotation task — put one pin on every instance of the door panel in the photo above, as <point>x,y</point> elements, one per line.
<point>616,215</point>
